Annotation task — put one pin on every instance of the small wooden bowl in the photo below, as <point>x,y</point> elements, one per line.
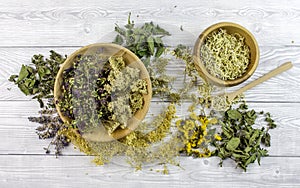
<point>100,134</point>
<point>231,28</point>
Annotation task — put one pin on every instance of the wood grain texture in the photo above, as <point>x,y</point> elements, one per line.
<point>77,171</point>
<point>18,134</point>
<point>30,27</point>
<point>57,23</point>
<point>271,57</point>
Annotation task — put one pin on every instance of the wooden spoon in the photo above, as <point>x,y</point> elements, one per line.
<point>284,67</point>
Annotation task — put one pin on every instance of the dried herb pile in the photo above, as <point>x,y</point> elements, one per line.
<point>106,88</point>
<point>240,141</point>
<point>213,127</point>
<point>145,41</point>
<point>225,56</point>
<point>37,80</point>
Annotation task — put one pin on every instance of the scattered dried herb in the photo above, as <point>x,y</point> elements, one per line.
<point>38,79</point>
<point>240,140</point>
<point>185,53</point>
<point>143,146</point>
<point>51,124</point>
<point>155,141</point>
<point>195,135</point>
<point>144,41</point>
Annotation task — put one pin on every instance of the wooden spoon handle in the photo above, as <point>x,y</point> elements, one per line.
<point>278,70</point>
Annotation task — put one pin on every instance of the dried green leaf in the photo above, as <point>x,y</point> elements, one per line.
<point>234,114</point>
<point>120,30</point>
<point>12,78</point>
<point>24,89</point>
<point>254,136</point>
<point>251,159</point>
<point>232,144</point>
<point>23,73</point>
<point>266,139</point>
<point>118,40</point>
<point>150,42</point>
<point>160,31</point>
<point>236,155</point>
<point>159,51</point>
<point>248,149</point>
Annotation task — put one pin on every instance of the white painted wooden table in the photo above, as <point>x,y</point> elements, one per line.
<point>31,27</point>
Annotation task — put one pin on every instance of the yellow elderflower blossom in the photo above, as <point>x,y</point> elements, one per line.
<point>200,141</point>
<point>218,137</point>
<point>194,132</point>
<point>204,120</point>
<point>178,123</point>
<point>188,148</point>
<point>193,116</point>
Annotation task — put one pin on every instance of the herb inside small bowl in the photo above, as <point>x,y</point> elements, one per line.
<point>225,56</point>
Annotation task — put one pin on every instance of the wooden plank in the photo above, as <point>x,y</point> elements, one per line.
<point>79,23</point>
<point>18,134</point>
<point>77,171</point>
<point>271,57</point>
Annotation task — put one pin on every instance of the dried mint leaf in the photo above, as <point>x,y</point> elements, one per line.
<point>232,144</point>
<point>241,141</point>
<point>145,41</point>
<point>234,114</point>
<point>38,78</point>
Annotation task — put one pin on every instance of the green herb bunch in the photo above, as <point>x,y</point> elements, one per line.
<point>145,41</point>
<point>38,79</point>
<point>240,141</point>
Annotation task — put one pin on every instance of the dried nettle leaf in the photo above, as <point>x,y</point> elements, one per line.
<point>234,114</point>
<point>241,141</point>
<point>144,41</point>
<point>37,79</point>
<point>232,144</point>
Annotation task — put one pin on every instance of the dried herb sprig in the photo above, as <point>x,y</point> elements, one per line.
<point>144,41</point>
<point>38,79</point>
<point>50,126</point>
<point>240,141</point>
<point>185,53</point>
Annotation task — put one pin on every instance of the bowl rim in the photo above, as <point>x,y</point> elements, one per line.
<point>147,97</point>
<point>202,69</point>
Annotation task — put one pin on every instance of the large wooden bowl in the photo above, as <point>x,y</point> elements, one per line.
<point>100,134</point>
<point>231,28</point>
